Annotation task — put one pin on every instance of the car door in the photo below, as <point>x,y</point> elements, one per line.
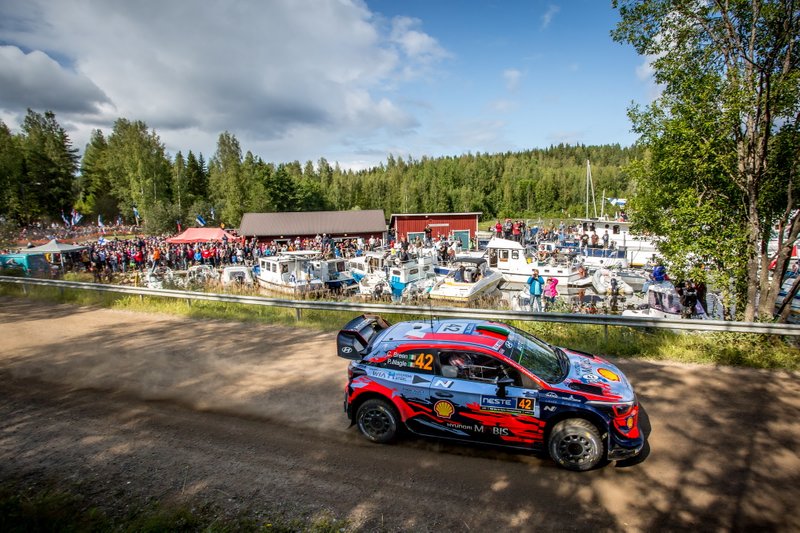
<point>478,397</point>
<point>406,377</point>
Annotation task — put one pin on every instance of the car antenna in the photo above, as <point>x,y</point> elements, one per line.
<point>430,310</point>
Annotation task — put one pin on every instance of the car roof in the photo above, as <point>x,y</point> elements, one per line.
<point>467,332</point>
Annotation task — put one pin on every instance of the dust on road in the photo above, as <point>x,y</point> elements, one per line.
<point>250,416</point>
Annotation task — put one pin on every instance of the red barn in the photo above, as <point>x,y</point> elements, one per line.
<point>460,226</point>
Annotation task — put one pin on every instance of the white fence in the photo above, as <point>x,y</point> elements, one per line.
<point>766,328</point>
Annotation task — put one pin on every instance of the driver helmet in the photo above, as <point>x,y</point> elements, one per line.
<point>458,360</point>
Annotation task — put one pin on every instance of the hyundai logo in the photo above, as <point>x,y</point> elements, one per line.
<point>347,349</point>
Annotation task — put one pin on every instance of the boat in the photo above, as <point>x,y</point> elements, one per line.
<point>402,273</point>
<point>333,273</point>
<point>288,273</point>
<point>240,275</point>
<point>516,264</point>
<point>470,279</point>
<point>397,271</point>
<point>664,301</point>
<point>374,285</point>
<point>609,282</point>
<point>199,275</point>
<point>634,277</point>
<point>369,263</point>
<point>159,277</point>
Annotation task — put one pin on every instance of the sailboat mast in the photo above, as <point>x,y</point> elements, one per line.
<point>590,187</point>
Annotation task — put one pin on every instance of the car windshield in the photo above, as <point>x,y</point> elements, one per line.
<point>546,362</point>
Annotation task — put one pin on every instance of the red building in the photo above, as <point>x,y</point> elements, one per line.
<point>460,226</point>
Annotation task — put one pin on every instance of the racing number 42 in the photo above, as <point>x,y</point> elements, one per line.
<point>424,361</point>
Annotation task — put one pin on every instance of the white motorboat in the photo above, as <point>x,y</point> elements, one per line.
<point>159,277</point>
<point>470,279</point>
<point>608,282</point>
<point>288,274</point>
<point>369,263</point>
<point>398,271</point>
<point>333,273</point>
<point>237,276</point>
<point>663,301</point>
<point>374,285</point>
<point>516,264</point>
<point>201,275</point>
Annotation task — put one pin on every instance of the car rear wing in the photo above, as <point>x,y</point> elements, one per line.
<point>355,337</point>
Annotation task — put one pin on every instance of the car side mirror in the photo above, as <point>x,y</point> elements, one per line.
<point>449,371</point>
<point>502,383</point>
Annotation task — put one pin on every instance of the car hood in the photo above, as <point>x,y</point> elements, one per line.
<point>596,378</point>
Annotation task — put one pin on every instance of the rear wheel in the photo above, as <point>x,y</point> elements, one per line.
<point>575,444</point>
<point>378,421</point>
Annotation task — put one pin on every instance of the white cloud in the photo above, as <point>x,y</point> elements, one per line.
<point>512,77</point>
<point>276,74</point>
<point>414,43</point>
<point>551,12</point>
<point>645,73</point>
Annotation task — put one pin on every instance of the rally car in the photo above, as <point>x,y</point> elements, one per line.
<point>480,381</point>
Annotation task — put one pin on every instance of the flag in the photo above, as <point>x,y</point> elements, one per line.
<point>101,241</point>
<point>136,214</point>
<point>178,222</point>
<point>200,220</point>
<point>119,219</point>
<point>100,221</point>
<point>213,215</point>
<point>67,221</point>
<point>76,217</point>
<point>617,201</point>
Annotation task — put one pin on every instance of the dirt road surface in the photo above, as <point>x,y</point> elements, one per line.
<point>134,407</point>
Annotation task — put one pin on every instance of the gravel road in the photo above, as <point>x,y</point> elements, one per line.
<point>133,407</point>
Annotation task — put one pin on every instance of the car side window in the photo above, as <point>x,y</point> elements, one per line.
<point>476,367</point>
<point>421,361</point>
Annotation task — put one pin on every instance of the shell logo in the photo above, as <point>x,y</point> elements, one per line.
<point>444,409</point>
<point>608,374</point>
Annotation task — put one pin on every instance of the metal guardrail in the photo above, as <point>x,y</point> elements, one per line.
<point>765,328</point>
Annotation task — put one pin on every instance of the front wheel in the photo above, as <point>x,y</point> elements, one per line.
<point>575,444</point>
<point>378,421</point>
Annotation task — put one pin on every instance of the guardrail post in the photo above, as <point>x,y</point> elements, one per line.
<point>25,289</point>
<point>298,314</point>
<point>605,334</point>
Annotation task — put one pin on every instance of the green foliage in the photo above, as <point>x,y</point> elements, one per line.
<point>225,179</point>
<point>721,136</point>
<point>138,169</point>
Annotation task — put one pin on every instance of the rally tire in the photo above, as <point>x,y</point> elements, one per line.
<point>575,444</point>
<point>378,421</point>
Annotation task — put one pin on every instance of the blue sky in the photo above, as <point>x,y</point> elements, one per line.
<point>350,81</point>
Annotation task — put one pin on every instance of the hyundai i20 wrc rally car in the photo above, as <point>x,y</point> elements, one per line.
<point>480,381</point>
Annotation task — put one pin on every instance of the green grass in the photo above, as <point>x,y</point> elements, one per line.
<point>733,349</point>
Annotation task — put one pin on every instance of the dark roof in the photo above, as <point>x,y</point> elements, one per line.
<point>313,223</point>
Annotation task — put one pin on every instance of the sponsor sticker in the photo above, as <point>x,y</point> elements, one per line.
<point>509,405</point>
<point>444,409</point>
<point>452,327</point>
<point>608,374</point>
<point>443,383</point>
